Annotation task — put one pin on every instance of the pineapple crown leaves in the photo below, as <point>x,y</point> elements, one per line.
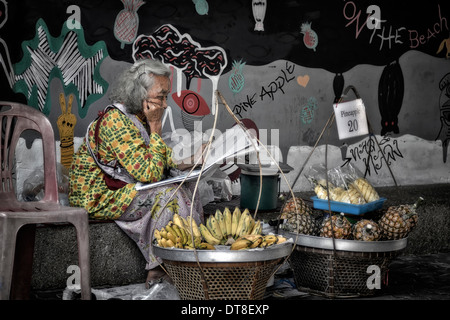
<point>132,5</point>
<point>238,66</point>
<point>305,27</point>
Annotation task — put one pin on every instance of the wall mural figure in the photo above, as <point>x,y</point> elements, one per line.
<point>187,56</point>
<point>444,103</point>
<point>445,44</point>
<point>66,125</point>
<point>127,22</point>
<point>201,6</point>
<point>5,60</point>
<point>236,80</point>
<point>338,86</point>
<point>310,37</point>
<point>68,58</point>
<point>307,110</point>
<point>259,8</point>
<point>193,107</point>
<point>390,97</point>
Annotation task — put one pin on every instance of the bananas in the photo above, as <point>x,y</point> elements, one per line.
<point>237,229</point>
<point>207,235</point>
<point>177,233</point>
<point>251,241</point>
<point>224,228</point>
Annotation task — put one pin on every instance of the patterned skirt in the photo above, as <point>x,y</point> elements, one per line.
<point>144,215</point>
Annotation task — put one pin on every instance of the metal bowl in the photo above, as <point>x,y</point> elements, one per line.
<point>225,254</point>
<point>345,245</point>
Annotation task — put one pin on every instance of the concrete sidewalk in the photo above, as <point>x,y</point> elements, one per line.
<point>410,277</point>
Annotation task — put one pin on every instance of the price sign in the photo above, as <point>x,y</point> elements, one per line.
<point>351,119</point>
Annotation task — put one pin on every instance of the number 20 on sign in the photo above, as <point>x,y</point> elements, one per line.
<point>351,119</point>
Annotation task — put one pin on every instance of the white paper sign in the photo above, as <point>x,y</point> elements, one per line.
<point>351,119</point>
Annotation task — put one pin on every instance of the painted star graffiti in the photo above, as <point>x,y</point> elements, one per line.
<point>68,58</point>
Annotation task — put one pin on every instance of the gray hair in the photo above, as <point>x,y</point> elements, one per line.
<point>131,87</point>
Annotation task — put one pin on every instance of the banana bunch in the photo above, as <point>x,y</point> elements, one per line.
<point>250,241</point>
<point>224,228</point>
<point>177,233</point>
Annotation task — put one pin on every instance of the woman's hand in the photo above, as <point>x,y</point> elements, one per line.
<point>153,114</point>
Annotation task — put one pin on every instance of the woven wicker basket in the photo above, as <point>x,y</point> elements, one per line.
<point>222,275</point>
<point>322,269</point>
<point>223,281</point>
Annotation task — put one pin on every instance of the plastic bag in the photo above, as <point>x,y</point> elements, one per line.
<point>345,184</point>
<point>33,186</point>
<point>158,290</point>
<point>221,185</point>
<point>206,192</point>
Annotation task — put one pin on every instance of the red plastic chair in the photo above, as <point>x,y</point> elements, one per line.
<point>14,119</point>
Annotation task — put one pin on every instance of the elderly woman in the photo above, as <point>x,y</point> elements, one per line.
<point>124,146</point>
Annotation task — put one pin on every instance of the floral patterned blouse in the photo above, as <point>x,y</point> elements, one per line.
<point>120,139</point>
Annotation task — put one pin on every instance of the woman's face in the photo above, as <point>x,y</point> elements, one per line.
<point>157,94</point>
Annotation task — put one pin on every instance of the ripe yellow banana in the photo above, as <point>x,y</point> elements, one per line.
<point>178,220</point>
<point>177,230</point>
<point>163,233</point>
<point>190,221</point>
<point>172,237</point>
<point>157,234</point>
<point>256,239</point>
<point>251,224</point>
<point>205,246</point>
<point>269,240</point>
<point>241,225</point>
<point>221,221</point>
<point>241,244</point>
<point>207,235</point>
<point>167,243</point>
<point>171,230</point>
<point>257,228</point>
<point>186,238</point>
<point>247,223</point>
<point>178,244</point>
<point>235,221</point>
<point>227,216</point>
<point>281,239</point>
<point>213,226</point>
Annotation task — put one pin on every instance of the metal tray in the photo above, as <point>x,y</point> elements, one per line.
<point>226,255</point>
<point>346,245</point>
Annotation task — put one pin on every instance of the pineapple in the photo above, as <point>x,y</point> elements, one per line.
<point>337,226</point>
<point>320,187</point>
<point>366,230</point>
<point>292,203</point>
<point>366,189</point>
<point>300,223</point>
<point>127,22</point>
<point>350,195</point>
<point>236,80</point>
<point>310,38</point>
<point>299,220</point>
<point>398,221</point>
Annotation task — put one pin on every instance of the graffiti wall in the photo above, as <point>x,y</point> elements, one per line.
<point>282,65</point>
